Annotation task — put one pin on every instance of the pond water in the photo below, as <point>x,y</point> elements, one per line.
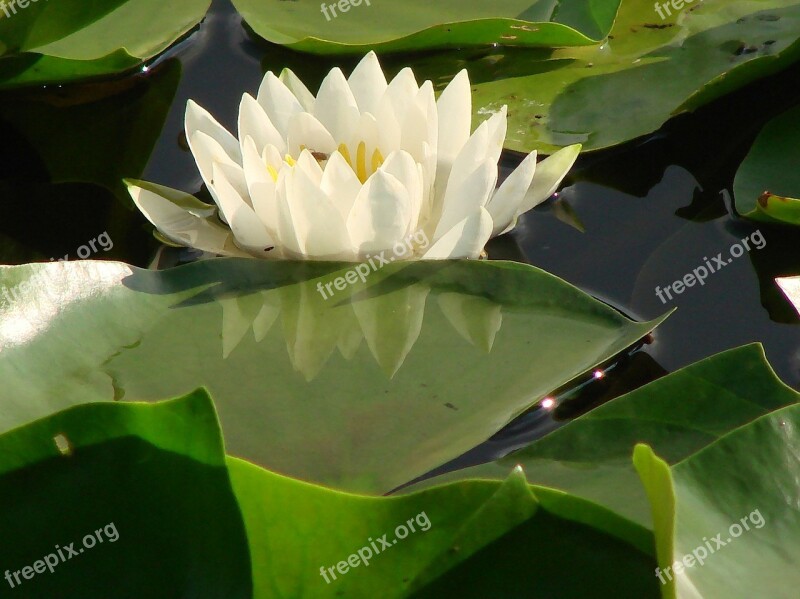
<point>652,211</point>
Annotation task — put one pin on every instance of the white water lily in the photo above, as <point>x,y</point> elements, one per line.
<point>350,173</point>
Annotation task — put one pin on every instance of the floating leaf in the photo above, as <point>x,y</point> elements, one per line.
<point>151,512</point>
<point>327,390</point>
<point>48,42</point>
<point>356,26</point>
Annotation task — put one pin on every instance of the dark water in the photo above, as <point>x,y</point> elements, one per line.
<point>652,210</point>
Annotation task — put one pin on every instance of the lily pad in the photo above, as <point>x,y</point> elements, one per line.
<point>49,42</point>
<point>356,26</point>
<point>677,416</point>
<point>767,184</point>
<point>299,533</point>
<point>138,483</point>
<point>647,72</point>
<point>732,509</point>
<point>320,389</point>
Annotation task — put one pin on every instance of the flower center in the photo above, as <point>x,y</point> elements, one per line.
<point>360,167</point>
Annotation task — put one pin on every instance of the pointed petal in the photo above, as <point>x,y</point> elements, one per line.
<point>368,83</point>
<point>455,117</point>
<point>381,214</point>
<point>318,226</point>
<point>249,231</point>
<point>340,184</point>
<point>254,122</point>
<point>402,166</point>
<point>305,131</point>
<point>299,89</point>
<point>466,195</point>
<point>198,119</point>
<point>278,102</point>
<point>261,187</point>
<point>207,151</point>
<point>336,108</point>
<point>549,174</point>
<point>504,204</point>
<point>182,218</point>
<point>465,240</point>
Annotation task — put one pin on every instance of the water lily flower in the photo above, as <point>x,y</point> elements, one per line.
<point>361,167</point>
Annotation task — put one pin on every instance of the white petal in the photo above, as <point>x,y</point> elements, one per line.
<point>261,186</point>
<point>504,204</point>
<point>182,218</point>
<point>403,167</point>
<point>247,228</point>
<point>309,165</point>
<point>254,122</point>
<point>368,83</point>
<point>465,240</point>
<point>392,108</point>
<point>381,214</point>
<point>278,102</point>
<point>306,131</point>
<point>420,123</point>
<point>317,224</point>
<point>299,89</point>
<point>497,126</point>
<point>455,117</point>
<point>207,151</point>
<point>336,108</point>
<point>198,119</point>
<point>340,183</point>
<point>465,195</point>
<point>549,174</point>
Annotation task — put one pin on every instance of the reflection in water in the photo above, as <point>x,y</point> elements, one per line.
<point>390,322</point>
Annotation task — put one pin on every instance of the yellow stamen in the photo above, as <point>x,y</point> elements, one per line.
<point>272,173</point>
<point>361,162</point>
<point>345,154</point>
<point>289,160</point>
<point>377,160</point>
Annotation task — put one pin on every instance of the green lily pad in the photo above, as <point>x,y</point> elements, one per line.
<point>48,42</point>
<point>419,544</point>
<point>321,389</point>
<point>767,184</point>
<point>386,26</point>
<point>677,416</point>
<point>117,499</point>
<point>648,71</point>
<point>729,513</point>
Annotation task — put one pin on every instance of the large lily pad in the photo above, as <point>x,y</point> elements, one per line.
<point>677,416</point>
<point>365,390</point>
<point>767,184</point>
<point>48,42</point>
<point>129,489</point>
<point>387,26</point>
<point>647,72</point>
